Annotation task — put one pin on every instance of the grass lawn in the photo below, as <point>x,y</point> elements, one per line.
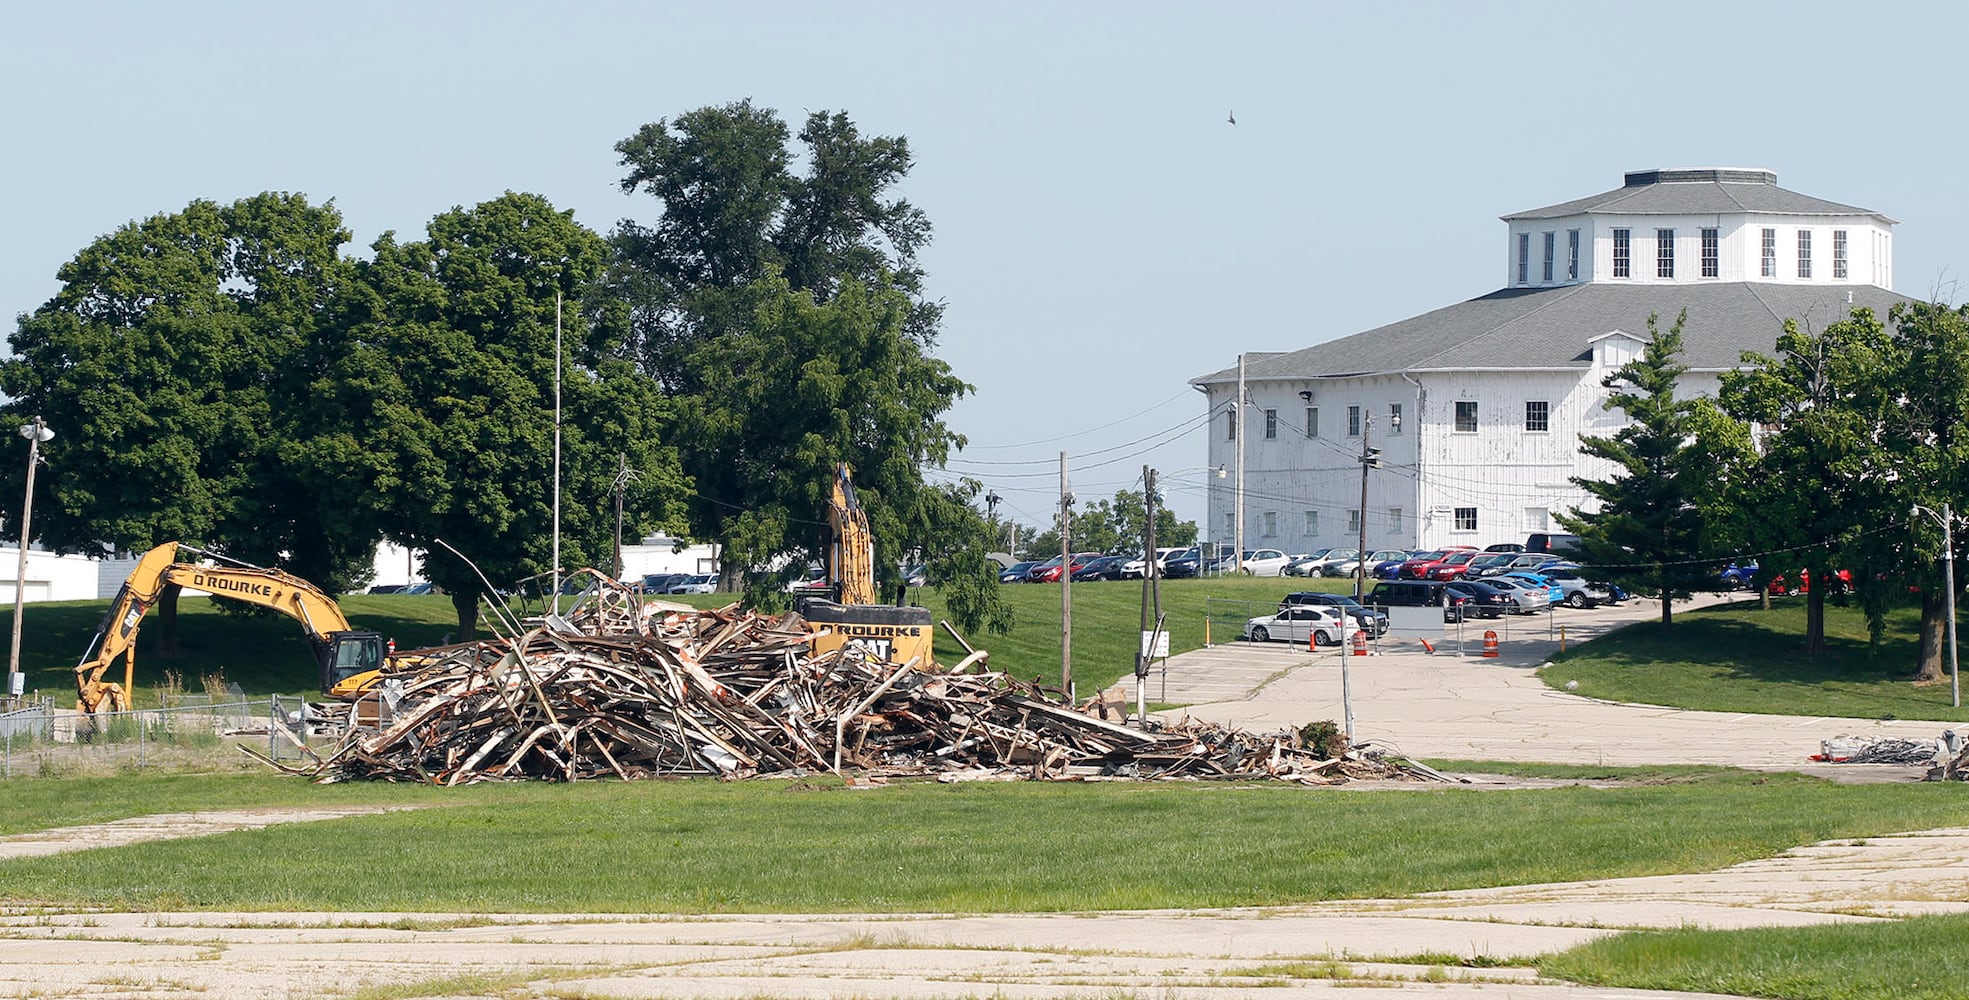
<point>1741,658</point>
<point>813,846</point>
<point>1921,958</point>
<point>266,653</point>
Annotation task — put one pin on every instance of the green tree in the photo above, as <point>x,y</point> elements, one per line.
<point>1648,525</point>
<point>1928,441</point>
<point>1824,475</point>
<point>464,321</point>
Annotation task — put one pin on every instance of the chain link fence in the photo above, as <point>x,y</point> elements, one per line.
<point>195,731</point>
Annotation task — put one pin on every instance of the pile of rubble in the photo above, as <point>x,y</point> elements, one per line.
<point>1948,754</point>
<point>632,688</point>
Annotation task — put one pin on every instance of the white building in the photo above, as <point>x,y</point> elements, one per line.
<point>1477,408</point>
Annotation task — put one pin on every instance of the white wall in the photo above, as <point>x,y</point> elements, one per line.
<point>50,577</point>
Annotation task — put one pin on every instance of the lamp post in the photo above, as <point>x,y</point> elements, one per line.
<point>1948,590</point>
<point>1370,459</point>
<point>36,433</point>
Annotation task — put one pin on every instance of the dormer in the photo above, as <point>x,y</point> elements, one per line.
<point>1694,225</point>
<point>1614,348</point>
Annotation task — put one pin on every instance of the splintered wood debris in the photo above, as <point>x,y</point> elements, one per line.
<point>632,688</point>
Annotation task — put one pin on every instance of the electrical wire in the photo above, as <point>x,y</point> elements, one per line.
<point>1091,430</point>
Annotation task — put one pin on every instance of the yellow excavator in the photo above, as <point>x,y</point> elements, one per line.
<point>850,612</point>
<point>349,660</point>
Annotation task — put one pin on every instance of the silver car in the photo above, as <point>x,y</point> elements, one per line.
<point>1319,624</point>
<point>1531,598</point>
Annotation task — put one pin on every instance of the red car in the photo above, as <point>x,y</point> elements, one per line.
<point>1453,566</point>
<point>1421,566</point>
<point>1051,573</point>
<point>1780,587</point>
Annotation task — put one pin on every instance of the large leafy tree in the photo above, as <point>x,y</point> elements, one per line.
<point>1824,475</point>
<point>1648,525</point>
<point>465,320</point>
<point>784,313</point>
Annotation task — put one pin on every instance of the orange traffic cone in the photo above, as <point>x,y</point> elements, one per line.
<point>1490,643</point>
<point>1360,643</point>
<point>1429,647</point>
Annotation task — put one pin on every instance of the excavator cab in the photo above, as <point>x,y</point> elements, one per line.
<point>346,654</point>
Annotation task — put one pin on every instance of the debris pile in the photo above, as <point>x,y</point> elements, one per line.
<point>634,689</point>
<point>1875,750</point>
<point>1952,762</point>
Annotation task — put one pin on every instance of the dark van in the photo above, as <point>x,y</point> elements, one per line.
<point>1406,594</point>
<point>1557,544</point>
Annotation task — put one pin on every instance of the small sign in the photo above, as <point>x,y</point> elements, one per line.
<point>1161,640</point>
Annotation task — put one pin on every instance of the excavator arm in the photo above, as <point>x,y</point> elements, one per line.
<point>340,651</point>
<point>851,553</point>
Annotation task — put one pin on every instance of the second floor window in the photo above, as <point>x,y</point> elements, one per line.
<point>1622,262</point>
<point>1312,421</point>
<point>1770,253</point>
<point>1839,253</point>
<point>1550,242</point>
<point>1538,415</point>
<point>1524,258</point>
<point>1466,416</point>
<point>1312,522</point>
<point>1394,418</point>
<point>1230,425</point>
<point>1711,259</point>
<point>1271,524</point>
<point>1271,424</point>
<point>1664,253</point>
<point>1466,518</point>
<point>1353,421</point>
<point>1572,255</point>
<point>1804,253</point>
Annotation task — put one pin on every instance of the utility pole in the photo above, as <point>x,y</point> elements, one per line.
<point>1237,526</point>
<point>1370,459</point>
<point>35,433</point>
<point>991,514</point>
<point>557,453</point>
<point>1948,577</point>
<point>1066,583</point>
<point>1147,652</point>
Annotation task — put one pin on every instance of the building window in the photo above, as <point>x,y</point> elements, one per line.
<point>1271,524</point>
<point>1353,421</point>
<point>1550,242</point>
<point>1572,255</point>
<point>1395,519</point>
<point>1804,253</point>
<point>1621,261</point>
<point>1537,518</point>
<point>1466,416</point>
<point>1271,424</point>
<point>1711,257</point>
<point>1466,518</point>
<point>1839,253</point>
<point>1664,253</point>
<point>1230,425</point>
<point>1538,415</point>
<point>1394,418</point>
<point>1312,421</point>
<point>1354,522</point>
<point>1230,525</point>
<point>1524,258</point>
<point>1770,253</point>
<point>1312,523</point>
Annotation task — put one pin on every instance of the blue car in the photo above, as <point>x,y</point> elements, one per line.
<point>1737,576</point>
<point>1391,569</point>
<point>1551,586</point>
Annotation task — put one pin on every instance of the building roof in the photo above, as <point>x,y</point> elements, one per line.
<point>1697,191</point>
<point>1547,328</point>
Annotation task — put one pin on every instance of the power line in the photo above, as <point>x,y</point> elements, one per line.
<point>1091,430</point>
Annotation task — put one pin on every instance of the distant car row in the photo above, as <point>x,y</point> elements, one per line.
<point>679,583</point>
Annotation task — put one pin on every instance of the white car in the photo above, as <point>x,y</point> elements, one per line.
<point>703,583</point>
<point>1264,562</point>
<point>1132,569</point>
<point>1321,624</point>
<point>1531,598</point>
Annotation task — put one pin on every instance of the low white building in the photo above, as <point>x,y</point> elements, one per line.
<point>49,577</point>
<point>1477,408</point>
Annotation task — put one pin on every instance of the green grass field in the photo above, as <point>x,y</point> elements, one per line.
<point>1741,658</point>
<point>1916,959</point>
<point>265,653</point>
<point>814,846</point>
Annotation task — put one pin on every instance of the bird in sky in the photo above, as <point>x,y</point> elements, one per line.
<point>1233,118</point>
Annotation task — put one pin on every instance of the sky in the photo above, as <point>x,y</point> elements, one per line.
<point>1103,234</point>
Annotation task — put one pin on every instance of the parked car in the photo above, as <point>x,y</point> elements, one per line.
<point>1454,566</point>
<point>1320,625</point>
<point>1406,594</point>
<point>1531,561</point>
<point>1225,561</point>
<point>1049,571</point>
<point>1182,564</point>
<point>1531,597</point>
<point>1575,591</point>
<point>701,583</point>
<point>1303,565</point>
<point>1263,562</point>
<point>1336,562</point>
<point>427,587</point>
<point>1537,578</point>
<point>1553,542</point>
<point>1782,585</point>
<point>1487,564</point>
<point>388,588</point>
<point>1737,575</point>
<point>1420,567</point>
<point>1016,573</point>
<point>1099,568</point>
<point>1375,622</point>
<point>1504,547</point>
<point>1605,592</point>
<point>1133,567</point>
<point>1477,598</point>
<point>1391,567</point>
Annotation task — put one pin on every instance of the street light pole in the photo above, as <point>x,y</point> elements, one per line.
<point>1948,595</point>
<point>35,433</point>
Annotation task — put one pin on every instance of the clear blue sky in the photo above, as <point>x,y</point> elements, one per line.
<point>1102,233</point>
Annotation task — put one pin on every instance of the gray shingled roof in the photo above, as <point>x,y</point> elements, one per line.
<point>1550,327</point>
<point>1706,191</point>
